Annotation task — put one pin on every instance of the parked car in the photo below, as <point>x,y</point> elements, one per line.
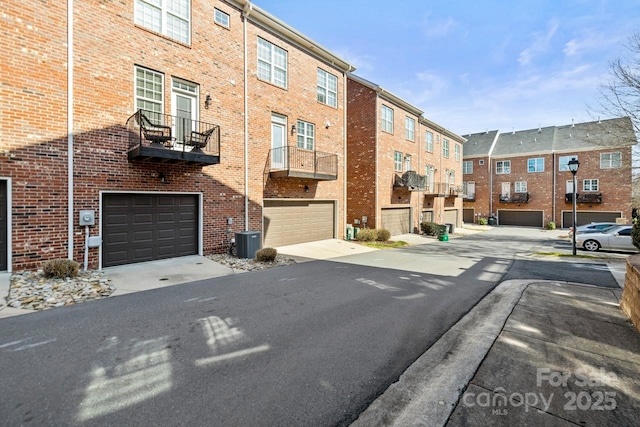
<point>613,239</point>
<point>594,227</point>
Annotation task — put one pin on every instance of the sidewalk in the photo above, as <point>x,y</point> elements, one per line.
<point>530,353</point>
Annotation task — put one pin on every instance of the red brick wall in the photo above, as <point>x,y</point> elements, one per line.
<point>33,146</point>
<point>480,175</point>
<point>108,45</point>
<point>296,102</point>
<point>361,152</point>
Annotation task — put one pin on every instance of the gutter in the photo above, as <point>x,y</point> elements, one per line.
<point>70,126</point>
<point>248,7</point>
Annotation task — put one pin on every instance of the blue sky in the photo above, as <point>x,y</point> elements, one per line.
<point>476,65</point>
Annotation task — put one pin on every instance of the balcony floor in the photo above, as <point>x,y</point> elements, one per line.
<point>167,155</point>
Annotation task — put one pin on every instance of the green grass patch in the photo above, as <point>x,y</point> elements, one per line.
<point>561,254</point>
<point>385,245</point>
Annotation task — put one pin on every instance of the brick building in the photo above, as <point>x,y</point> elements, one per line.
<point>175,126</point>
<point>402,168</point>
<point>522,178</point>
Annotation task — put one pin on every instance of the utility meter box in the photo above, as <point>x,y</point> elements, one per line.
<point>94,241</point>
<point>87,217</point>
<point>247,244</point>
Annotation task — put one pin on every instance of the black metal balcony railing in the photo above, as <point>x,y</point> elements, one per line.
<point>410,180</point>
<point>443,189</point>
<point>514,198</point>
<point>301,163</point>
<point>469,197</point>
<point>166,138</point>
<point>584,198</point>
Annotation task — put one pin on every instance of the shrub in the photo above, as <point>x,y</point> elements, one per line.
<point>635,233</point>
<point>383,235</point>
<point>367,235</point>
<point>266,254</point>
<point>551,225</point>
<point>482,221</point>
<point>60,268</point>
<point>429,228</point>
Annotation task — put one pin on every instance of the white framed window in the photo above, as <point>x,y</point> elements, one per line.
<point>610,160</point>
<point>467,167</point>
<point>457,152</point>
<point>535,164</point>
<point>221,18</point>
<point>503,166</point>
<point>327,88</point>
<point>563,162</point>
<point>452,177</point>
<point>481,162</point>
<point>469,188</point>
<point>149,90</point>
<point>520,186</point>
<point>397,161</point>
<point>590,185</point>
<point>409,129</point>
<point>306,135</point>
<point>387,119</point>
<point>429,142</point>
<point>272,63</point>
<point>168,17</point>
<point>407,162</point>
<point>445,148</point>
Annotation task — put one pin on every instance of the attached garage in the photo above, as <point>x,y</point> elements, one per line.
<point>396,220</point>
<point>583,218</point>
<point>148,227</point>
<point>451,216</point>
<point>4,223</point>
<point>468,215</point>
<point>427,216</point>
<point>288,222</point>
<point>521,218</point>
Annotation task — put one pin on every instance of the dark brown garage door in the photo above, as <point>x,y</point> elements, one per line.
<point>588,217</point>
<point>147,227</point>
<point>468,216</point>
<point>397,220</point>
<point>523,218</point>
<point>292,222</point>
<point>4,221</point>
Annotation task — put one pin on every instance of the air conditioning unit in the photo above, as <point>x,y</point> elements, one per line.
<point>247,244</point>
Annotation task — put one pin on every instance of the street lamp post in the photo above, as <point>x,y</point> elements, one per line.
<point>574,164</point>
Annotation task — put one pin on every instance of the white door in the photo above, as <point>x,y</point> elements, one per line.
<point>506,190</point>
<point>278,141</point>
<point>407,163</point>
<point>471,189</point>
<point>184,107</point>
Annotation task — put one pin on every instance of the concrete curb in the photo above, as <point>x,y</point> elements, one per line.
<point>427,392</point>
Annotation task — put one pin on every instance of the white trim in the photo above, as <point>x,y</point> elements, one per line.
<point>194,193</point>
<point>70,102</point>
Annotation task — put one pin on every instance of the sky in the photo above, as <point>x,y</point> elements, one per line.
<point>480,65</point>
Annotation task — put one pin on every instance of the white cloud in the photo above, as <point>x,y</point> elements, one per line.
<point>441,28</point>
<point>540,43</point>
<point>363,63</point>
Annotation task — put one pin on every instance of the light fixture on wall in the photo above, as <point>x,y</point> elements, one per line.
<point>162,177</point>
<point>306,188</point>
<point>293,129</point>
<point>207,101</point>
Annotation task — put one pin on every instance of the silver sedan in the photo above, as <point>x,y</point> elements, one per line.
<point>613,239</point>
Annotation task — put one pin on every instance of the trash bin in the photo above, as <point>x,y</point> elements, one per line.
<point>443,233</point>
<point>349,233</point>
<point>492,220</point>
<point>451,228</point>
<point>355,232</point>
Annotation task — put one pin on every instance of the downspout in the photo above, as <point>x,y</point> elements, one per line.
<point>378,223</point>
<point>553,193</point>
<point>246,11</point>
<point>70,124</point>
<point>344,142</point>
<point>490,186</point>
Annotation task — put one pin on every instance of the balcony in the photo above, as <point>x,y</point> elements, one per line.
<point>514,198</point>
<point>410,180</point>
<point>442,189</point>
<point>296,162</point>
<point>590,198</point>
<point>156,137</point>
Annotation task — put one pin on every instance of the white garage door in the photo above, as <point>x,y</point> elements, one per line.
<point>397,220</point>
<point>451,216</point>
<point>289,222</point>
